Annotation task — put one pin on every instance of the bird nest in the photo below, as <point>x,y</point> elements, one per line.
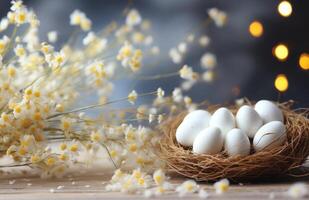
<point>285,160</point>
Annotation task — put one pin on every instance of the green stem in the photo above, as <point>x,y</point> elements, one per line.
<point>11,42</point>
<point>96,105</point>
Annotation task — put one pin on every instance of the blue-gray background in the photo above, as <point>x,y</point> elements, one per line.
<point>244,62</point>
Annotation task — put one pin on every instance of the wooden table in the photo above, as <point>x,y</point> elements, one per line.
<point>92,187</point>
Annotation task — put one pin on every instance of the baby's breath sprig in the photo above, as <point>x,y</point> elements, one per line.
<point>41,125</point>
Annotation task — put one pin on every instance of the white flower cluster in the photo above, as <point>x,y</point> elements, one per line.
<point>139,182</point>
<point>218,16</point>
<point>130,57</point>
<point>79,18</point>
<point>41,84</point>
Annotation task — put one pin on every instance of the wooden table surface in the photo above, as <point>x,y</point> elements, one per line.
<point>92,187</point>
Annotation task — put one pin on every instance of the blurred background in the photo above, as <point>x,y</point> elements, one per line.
<point>248,61</point>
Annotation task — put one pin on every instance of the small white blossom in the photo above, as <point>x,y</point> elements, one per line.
<point>208,61</point>
<point>160,118</point>
<point>177,95</point>
<point>182,47</point>
<point>132,97</point>
<point>240,102</point>
<point>175,56</point>
<point>151,118</point>
<point>222,186</point>
<point>218,16</point>
<point>159,177</point>
<point>78,18</point>
<point>52,36</point>
<point>186,72</point>
<point>208,76</point>
<point>298,190</point>
<point>133,18</point>
<point>160,93</point>
<point>4,23</point>
<point>204,40</point>
<point>90,37</point>
<point>16,5</point>
<point>186,187</point>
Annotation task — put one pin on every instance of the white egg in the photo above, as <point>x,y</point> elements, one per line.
<point>237,143</point>
<point>208,141</point>
<point>248,120</point>
<point>192,124</point>
<point>268,111</point>
<point>223,119</point>
<point>270,135</point>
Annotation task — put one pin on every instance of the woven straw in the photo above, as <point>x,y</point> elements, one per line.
<point>284,160</point>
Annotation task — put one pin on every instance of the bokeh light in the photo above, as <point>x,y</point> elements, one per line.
<point>256,29</point>
<point>281,83</point>
<point>281,52</point>
<point>304,61</point>
<point>285,8</point>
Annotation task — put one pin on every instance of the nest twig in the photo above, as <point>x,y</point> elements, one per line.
<point>280,161</point>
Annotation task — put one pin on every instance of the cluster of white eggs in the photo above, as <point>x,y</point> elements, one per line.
<point>210,134</point>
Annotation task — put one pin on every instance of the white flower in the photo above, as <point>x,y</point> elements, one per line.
<point>159,177</point>
<point>90,37</point>
<point>21,16</point>
<point>187,100</point>
<point>208,61</point>
<point>160,118</point>
<point>177,95</point>
<point>182,47</point>
<point>19,50</point>
<point>78,18</point>
<point>151,118</point>
<point>132,97</point>
<point>203,194</point>
<point>16,5</point>
<point>161,189</point>
<point>218,16</point>
<point>222,186</point>
<point>186,72</point>
<point>4,24</point>
<point>186,187</point>
<point>240,101</point>
<point>52,36</point>
<point>204,40</point>
<point>160,93</point>
<point>175,56</point>
<point>133,18</point>
<point>208,76</point>
<point>298,190</point>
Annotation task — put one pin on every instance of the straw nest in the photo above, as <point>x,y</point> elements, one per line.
<point>285,160</point>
